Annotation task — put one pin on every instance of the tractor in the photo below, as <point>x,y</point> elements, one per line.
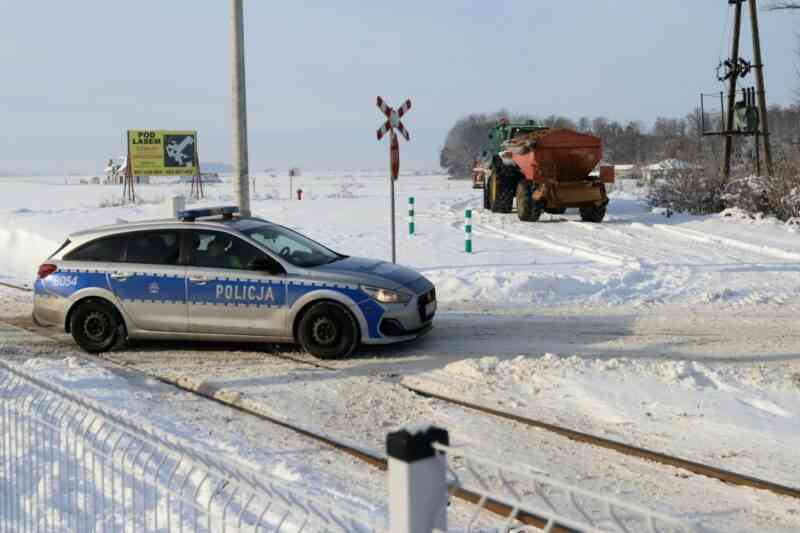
<point>546,170</point>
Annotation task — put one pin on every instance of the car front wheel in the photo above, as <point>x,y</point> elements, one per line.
<point>328,330</point>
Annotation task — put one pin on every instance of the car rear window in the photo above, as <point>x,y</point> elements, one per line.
<point>107,249</point>
<point>154,247</point>
<point>66,243</point>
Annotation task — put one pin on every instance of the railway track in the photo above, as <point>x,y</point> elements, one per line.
<point>378,461</point>
<point>12,286</point>
<point>366,456</point>
<point>720,474</point>
<point>219,396</point>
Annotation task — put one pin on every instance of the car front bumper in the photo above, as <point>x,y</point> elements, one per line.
<point>406,322</point>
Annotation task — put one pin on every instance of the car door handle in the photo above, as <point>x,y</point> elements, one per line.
<point>198,280</point>
<point>120,276</point>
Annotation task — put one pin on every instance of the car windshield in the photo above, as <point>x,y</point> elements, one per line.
<point>291,246</point>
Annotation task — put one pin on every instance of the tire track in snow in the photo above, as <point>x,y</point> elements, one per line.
<point>569,249</point>
<point>769,251</point>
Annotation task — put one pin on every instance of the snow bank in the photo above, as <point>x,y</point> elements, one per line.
<point>21,251</point>
<point>739,417</point>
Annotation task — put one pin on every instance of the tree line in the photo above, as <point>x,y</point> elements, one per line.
<point>626,142</point>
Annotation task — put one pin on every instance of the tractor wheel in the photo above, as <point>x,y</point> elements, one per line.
<point>505,189</point>
<point>527,209</point>
<point>556,210</point>
<point>593,214</point>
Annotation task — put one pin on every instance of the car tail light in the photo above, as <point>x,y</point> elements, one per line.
<point>45,270</point>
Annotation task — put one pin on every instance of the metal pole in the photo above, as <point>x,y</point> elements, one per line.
<point>762,98</point>
<point>737,27</point>
<point>393,145</point>
<point>411,224</point>
<point>417,480</point>
<point>241,183</point>
<point>468,231</point>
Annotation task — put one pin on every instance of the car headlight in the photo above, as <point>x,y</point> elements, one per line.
<point>387,296</point>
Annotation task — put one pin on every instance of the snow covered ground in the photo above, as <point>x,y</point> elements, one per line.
<point>678,334</point>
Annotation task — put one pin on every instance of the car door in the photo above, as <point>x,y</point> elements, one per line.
<point>150,282</point>
<point>234,287</point>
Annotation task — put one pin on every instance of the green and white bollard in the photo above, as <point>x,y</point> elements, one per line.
<point>468,231</point>
<point>411,215</point>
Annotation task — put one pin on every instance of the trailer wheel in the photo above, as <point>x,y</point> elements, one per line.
<point>593,214</point>
<point>527,209</point>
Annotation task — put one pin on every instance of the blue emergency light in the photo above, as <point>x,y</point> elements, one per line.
<point>190,215</point>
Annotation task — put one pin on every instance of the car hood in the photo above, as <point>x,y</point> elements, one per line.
<point>369,272</point>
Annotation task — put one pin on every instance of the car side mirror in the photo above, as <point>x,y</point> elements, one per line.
<point>264,264</point>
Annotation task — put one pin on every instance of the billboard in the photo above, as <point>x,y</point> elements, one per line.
<point>162,153</point>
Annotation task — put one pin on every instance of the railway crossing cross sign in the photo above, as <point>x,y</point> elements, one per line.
<point>393,123</point>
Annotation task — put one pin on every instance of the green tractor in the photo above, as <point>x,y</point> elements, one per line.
<point>546,170</point>
<point>501,175</point>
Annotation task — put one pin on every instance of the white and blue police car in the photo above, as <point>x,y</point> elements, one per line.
<point>211,274</point>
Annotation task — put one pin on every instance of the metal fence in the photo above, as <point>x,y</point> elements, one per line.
<point>519,497</point>
<point>491,495</point>
<point>70,464</point>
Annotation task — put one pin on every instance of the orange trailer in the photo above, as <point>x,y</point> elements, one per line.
<point>557,166</point>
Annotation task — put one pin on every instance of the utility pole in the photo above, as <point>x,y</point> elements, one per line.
<point>734,59</point>
<point>762,98</point>
<point>241,183</point>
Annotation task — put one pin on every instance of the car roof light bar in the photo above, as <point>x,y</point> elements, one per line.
<point>190,215</point>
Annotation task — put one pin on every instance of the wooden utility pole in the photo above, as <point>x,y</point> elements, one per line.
<point>760,90</point>
<point>241,182</point>
<point>734,75</point>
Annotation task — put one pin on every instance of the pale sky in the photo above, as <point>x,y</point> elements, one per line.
<point>76,75</point>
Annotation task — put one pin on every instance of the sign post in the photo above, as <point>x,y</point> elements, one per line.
<point>393,117</point>
<point>294,172</point>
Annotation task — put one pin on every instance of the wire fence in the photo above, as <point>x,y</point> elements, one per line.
<point>520,499</point>
<point>70,464</point>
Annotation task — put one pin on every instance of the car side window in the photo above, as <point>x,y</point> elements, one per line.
<point>154,247</point>
<point>212,249</point>
<point>104,250</point>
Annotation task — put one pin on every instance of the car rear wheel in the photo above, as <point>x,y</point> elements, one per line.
<point>95,326</point>
<point>328,330</point>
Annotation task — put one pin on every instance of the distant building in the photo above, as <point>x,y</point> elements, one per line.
<point>115,172</point>
<point>627,172</point>
<point>664,169</point>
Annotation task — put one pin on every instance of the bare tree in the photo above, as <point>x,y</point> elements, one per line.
<point>782,4</point>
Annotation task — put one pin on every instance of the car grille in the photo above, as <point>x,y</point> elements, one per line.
<point>423,300</point>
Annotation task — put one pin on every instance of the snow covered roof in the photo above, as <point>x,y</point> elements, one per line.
<point>669,164</point>
<point>122,161</point>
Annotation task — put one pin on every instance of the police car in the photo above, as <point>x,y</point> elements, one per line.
<point>213,275</point>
